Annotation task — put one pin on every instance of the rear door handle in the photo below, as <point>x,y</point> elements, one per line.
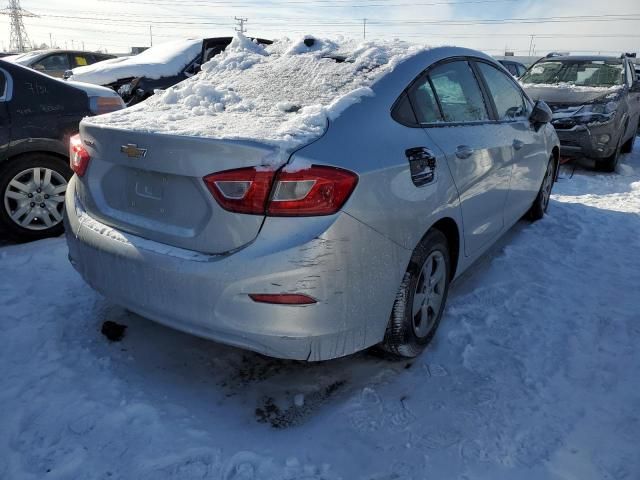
<point>518,144</point>
<point>464,151</point>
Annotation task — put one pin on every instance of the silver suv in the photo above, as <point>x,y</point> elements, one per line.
<point>595,103</point>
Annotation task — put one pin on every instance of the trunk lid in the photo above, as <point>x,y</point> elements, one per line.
<point>151,185</point>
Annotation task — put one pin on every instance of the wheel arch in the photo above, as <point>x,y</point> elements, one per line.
<point>450,230</point>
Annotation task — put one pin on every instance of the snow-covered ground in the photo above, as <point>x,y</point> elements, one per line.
<point>534,373</point>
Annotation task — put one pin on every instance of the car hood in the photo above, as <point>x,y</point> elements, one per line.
<point>567,94</point>
<point>93,90</point>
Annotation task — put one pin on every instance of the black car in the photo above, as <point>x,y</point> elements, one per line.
<point>134,89</point>
<point>595,102</point>
<point>515,68</point>
<point>56,62</point>
<point>38,115</point>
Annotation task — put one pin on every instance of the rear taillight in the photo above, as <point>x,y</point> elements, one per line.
<point>78,156</point>
<point>244,190</point>
<point>318,190</point>
<point>100,105</point>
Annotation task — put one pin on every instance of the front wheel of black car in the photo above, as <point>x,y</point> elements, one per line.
<point>421,298</point>
<point>33,187</point>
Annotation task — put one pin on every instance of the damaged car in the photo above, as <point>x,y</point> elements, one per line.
<point>136,78</point>
<point>308,199</point>
<point>38,115</point>
<point>595,102</point>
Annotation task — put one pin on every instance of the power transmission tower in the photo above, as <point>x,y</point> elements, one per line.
<point>241,21</point>
<point>19,40</point>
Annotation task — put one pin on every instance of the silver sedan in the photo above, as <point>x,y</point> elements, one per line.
<point>352,243</point>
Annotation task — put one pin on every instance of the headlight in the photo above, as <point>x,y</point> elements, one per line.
<point>596,113</point>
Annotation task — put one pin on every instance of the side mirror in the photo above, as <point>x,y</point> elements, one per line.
<point>541,113</point>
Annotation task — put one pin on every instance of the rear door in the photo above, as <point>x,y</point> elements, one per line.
<point>528,147</point>
<point>453,111</point>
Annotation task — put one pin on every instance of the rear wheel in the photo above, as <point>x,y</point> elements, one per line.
<point>421,298</point>
<point>33,188</point>
<point>541,203</point>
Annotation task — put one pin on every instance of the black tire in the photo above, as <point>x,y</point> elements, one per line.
<point>610,163</point>
<point>13,168</point>
<point>628,145</point>
<point>541,203</point>
<point>401,337</point>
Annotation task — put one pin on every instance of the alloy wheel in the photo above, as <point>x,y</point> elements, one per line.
<point>34,198</point>
<point>428,294</point>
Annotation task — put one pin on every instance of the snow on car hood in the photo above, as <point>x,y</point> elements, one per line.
<point>163,60</point>
<point>281,95</point>
<point>569,94</point>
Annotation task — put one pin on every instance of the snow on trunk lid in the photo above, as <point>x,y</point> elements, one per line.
<point>281,95</point>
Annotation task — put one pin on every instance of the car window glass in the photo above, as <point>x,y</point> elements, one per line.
<point>521,70</point>
<point>58,61</point>
<point>512,68</point>
<point>506,96</point>
<point>80,60</point>
<point>3,85</point>
<point>424,102</point>
<point>403,113</point>
<point>458,92</point>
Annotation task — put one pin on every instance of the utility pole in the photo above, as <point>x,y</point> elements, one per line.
<point>531,44</point>
<point>364,28</point>
<point>241,21</point>
<point>150,36</point>
<point>50,41</point>
<point>19,40</point>
<point>83,45</point>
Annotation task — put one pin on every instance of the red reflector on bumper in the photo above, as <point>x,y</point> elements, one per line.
<point>283,298</point>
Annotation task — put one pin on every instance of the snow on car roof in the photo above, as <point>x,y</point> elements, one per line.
<point>281,94</point>
<point>162,60</point>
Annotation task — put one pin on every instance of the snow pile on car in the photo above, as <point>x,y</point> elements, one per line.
<point>282,94</point>
<point>163,60</point>
<point>573,87</point>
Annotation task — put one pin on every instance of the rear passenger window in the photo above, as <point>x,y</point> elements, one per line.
<point>506,95</point>
<point>424,102</point>
<point>3,86</point>
<point>458,93</point>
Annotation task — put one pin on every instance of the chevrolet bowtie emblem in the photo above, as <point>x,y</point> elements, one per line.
<point>131,150</point>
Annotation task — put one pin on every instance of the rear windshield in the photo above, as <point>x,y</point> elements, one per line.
<point>579,73</point>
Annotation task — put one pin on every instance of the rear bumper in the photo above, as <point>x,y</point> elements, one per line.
<point>588,141</point>
<point>336,260</point>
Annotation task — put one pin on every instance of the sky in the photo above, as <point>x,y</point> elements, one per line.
<point>576,26</point>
